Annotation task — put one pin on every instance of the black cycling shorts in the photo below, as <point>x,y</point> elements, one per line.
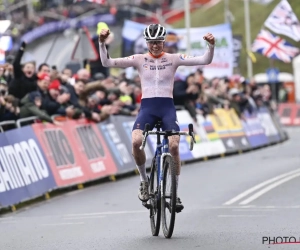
<point>155,109</point>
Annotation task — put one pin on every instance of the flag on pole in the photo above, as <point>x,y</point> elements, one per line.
<point>91,1</point>
<point>274,47</point>
<point>283,21</point>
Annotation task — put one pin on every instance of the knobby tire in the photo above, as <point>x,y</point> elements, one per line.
<point>168,227</point>
<point>155,213</point>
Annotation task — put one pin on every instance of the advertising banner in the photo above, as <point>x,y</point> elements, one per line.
<point>222,64</point>
<point>116,143</point>
<point>222,129</point>
<point>92,148</point>
<point>287,113</point>
<point>207,133</point>
<point>236,129</point>
<point>184,119</point>
<point>254,130</point>
<point>276,121</point>
<point>124,125</point>
<point>237,49</point>
<point>296,115</point>
<point>62,152</point>
<point>206,144</point>
<point>268,125</point>
<point>24,170</point>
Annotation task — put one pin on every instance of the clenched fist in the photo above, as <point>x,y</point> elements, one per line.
<point>209,38</point>
<point>103,35</point>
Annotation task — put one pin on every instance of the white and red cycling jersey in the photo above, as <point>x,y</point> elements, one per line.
<point>156,73</point>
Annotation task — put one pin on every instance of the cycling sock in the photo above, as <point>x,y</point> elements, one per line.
<point>143,174</point>
<point>177,180</point>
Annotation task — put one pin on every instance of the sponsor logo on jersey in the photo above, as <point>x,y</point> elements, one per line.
<point>159,67</point>
<point>146,59</point>
<point>169,64</point>
<point>151,60</point>
<point>145,66</point>
<point>163,60</point>
<point>183,56</point>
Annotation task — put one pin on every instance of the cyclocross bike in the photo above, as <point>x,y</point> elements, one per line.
<point>162,189</point>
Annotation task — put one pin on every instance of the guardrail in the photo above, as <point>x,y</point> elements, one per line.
<point>5,123</point>
<point>27,119</point>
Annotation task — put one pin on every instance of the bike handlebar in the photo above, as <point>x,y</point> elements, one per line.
<point>146,132</point>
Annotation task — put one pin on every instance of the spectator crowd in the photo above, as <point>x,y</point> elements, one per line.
<point>47,93</point>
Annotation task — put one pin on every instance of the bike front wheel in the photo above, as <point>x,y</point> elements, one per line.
<point>155,211</point>
<point>168,200</point>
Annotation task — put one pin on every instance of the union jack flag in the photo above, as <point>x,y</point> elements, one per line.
<point>92,1</point>
<point>283,21</point>
<point>274,47</point>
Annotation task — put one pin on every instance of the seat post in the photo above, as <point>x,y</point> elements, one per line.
<point>158,127</point>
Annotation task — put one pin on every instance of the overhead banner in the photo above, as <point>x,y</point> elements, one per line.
<point>70,23</point>
<point>222,64</point>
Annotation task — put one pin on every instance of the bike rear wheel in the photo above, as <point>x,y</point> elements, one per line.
<point>168,200</point>
<point>155,209</point>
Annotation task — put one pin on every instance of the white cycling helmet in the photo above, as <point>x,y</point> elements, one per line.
<point>155,32</point>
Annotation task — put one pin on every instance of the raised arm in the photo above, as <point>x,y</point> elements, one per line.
<point>123,62</point>
<point>184,60</point>
<point>116,62</point>
<point>18,73</point>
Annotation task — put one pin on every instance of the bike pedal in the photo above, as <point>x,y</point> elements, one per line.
<point>146,205</point>
<point>178,210</point>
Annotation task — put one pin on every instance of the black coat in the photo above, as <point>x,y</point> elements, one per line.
<point>20,84</point>
<point>74,100</point>
<point>179,93</point>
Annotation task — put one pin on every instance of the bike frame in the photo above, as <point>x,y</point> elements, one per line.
<point>162,148</point>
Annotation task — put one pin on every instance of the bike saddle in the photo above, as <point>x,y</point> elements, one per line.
<point>158,124</point>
